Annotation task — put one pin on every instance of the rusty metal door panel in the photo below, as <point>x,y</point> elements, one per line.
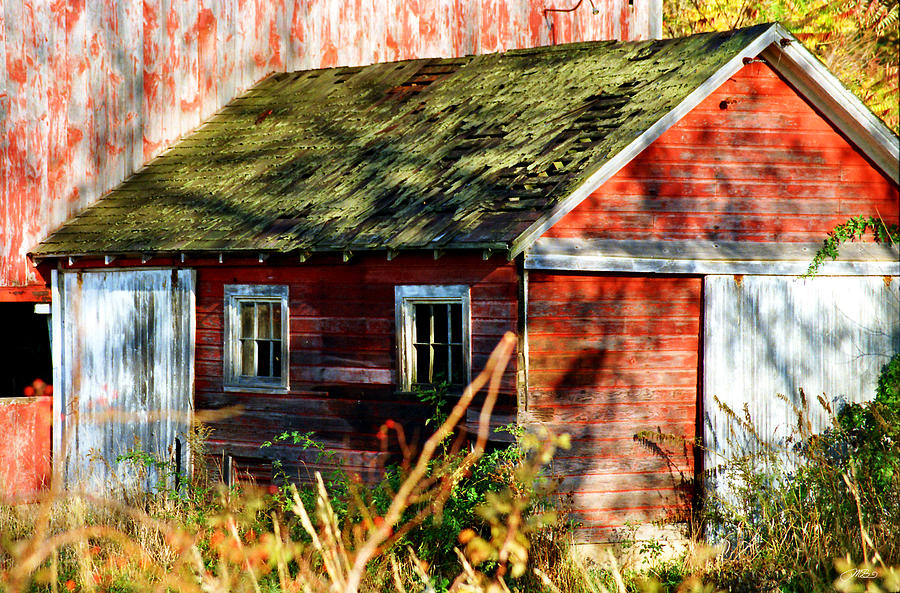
<point>770,335</point>
<point>123,367</point>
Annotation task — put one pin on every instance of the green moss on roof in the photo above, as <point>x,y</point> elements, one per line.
<point>437,153</point>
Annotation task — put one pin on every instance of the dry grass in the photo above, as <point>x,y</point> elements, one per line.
<point>207,538</point>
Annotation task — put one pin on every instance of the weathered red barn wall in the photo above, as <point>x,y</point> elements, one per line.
<point>92,90</point>
<point>25,454</point>
<point>343,350</point>
<point>611,356</point>
<point>753,162</point>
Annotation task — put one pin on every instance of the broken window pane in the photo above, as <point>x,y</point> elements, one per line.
<point>440,324</point>
<point>423,324</point>
<point>248,365</point>
<point>455,323</point>
<point>422,365</point>
<point>264,354</point>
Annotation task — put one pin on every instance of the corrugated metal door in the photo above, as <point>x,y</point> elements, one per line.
<point>123,372</point>
<point>769,335</point>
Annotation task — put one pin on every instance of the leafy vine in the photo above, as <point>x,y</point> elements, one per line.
<point>853,229</point>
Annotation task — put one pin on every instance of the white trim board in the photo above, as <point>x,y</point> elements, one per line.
<point>707,257</point>
<point>800,67</point>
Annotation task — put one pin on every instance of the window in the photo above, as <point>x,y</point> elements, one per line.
<point>433,335</point>
<point>256,338</point>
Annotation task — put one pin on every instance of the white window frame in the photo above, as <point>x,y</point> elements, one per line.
<point>235,294</point>
<point>405,300</point>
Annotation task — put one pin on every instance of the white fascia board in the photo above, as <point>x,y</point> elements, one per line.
<point>707,257</point>
<point>588,263</point>
<point>829,95</point>
<point>625,156</point>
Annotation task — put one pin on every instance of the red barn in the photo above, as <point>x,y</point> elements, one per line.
<point>638,212</point>
<point>93,90</point>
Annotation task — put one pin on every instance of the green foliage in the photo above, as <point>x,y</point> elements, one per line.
<point>853,229</point>
<point>857,39</point>
<point>792,509</point>
<point>887,391</point>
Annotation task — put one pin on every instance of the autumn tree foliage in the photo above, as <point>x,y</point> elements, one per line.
<point>858,40</point>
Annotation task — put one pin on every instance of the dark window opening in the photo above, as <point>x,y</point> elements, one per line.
<point>260,339</point>
<point>438,345</point>
<point>25,350</point>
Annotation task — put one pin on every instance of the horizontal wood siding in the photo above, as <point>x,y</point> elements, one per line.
<point>92,90</point>
<point>753,162</point>
<point>342,352</point>
<point>611,356</point>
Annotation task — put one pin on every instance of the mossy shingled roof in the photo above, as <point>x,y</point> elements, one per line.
<point>433,153</point>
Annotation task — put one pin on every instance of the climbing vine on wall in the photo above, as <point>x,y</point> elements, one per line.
<point>852,230</point>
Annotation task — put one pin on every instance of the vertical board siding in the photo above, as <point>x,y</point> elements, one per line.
<point>142,321</point>
<point>343,381</point>
<point>92,90</point>
<point>611,356</point>
<point>752,162</point>
<point>770,335</point>
<point>25,454</point>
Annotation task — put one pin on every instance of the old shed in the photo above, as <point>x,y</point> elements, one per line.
<point>637,212</point>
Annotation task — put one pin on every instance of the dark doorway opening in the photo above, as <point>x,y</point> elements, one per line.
<point>24,347</point>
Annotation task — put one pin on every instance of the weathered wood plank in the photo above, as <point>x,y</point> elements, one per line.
<point>142,319</point>
<point>754,162</point>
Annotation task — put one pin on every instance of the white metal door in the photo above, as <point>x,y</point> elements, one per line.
<point>770,335</point>
<point>123,373</point>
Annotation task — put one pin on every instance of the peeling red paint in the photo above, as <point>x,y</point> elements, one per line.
<point>74,10</point>
<point>98,88</point>
<point>16,72</point>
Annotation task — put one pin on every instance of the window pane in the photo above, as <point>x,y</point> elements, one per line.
<point>264,358</point>
<point>276,321</point>
<point>246,320</point>
<point>441,368</point>
<point>276,359</point>
<point>440,324</point>
<point>421,364</point>
<point>263,319</point>
<point>423,324</point>
<point>456,323</point>
<point>456,366</point>
<point>248,364</point>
